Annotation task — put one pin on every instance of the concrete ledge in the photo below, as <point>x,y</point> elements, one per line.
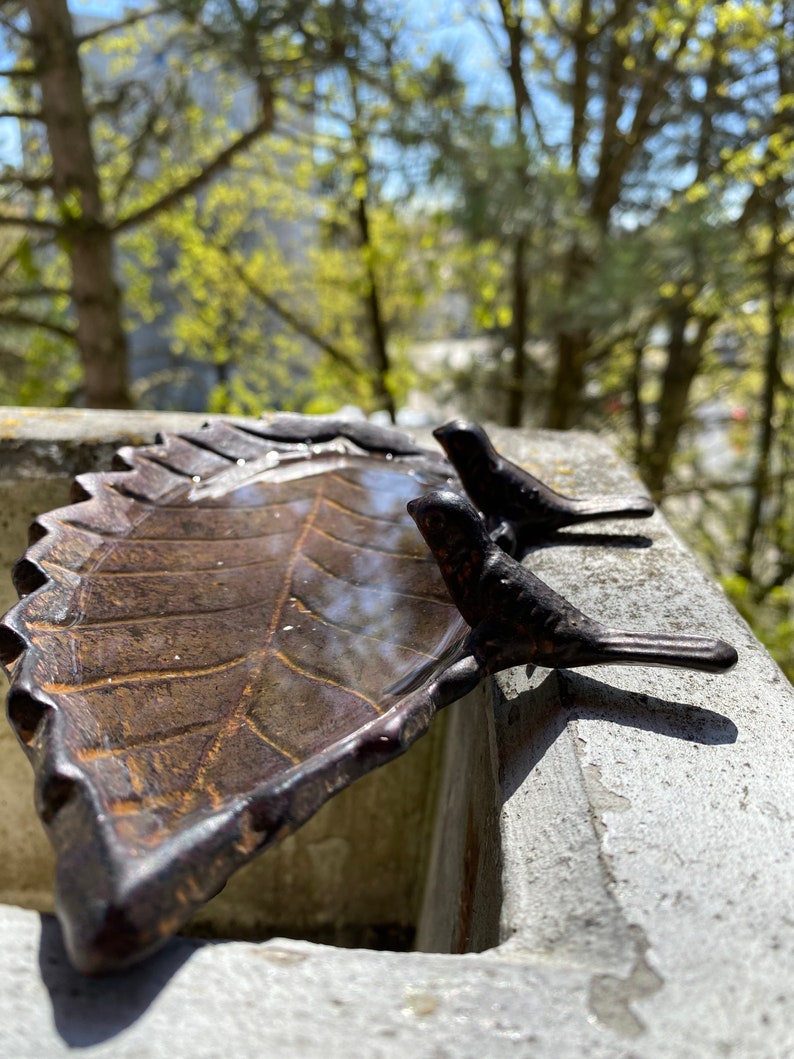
<point>616,840</point>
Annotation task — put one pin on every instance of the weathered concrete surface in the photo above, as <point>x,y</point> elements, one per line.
<point>287,998</point>
<point>641,875</point>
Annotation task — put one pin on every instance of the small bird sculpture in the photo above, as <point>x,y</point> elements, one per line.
<point>516,619</point>
<point>519,509</point>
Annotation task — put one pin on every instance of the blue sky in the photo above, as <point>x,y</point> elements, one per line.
<point>444,24</point>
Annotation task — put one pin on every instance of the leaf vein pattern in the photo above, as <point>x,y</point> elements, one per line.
<point>365,516</point>
<point>364,588</point>
<point>143,619</point>
<point>141,677</point>
<point>358,632</point>
<point>237,711</point>
<point>113,575</point>
<point>293,665</point>
<point>367,547</point>
<point>125,535</point>
<point>99,751</point>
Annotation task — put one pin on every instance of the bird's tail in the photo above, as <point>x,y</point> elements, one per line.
<point>587,510</point>
<point>706,653</point>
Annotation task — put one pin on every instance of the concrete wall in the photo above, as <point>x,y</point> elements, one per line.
<point>614,844</point>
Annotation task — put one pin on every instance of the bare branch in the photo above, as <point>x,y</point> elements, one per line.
<point>7,23</point>
<point>137,149</point>
<point>621,14</point>
<point>22,115</point>
<point>12,256</point>
<point>618,149</point>
<point>30,183</point>
<point>122,23</point>
<point>208,171</point>
<point>29,72</point>
<point>23,293</point>
<point>28,222</point>
<point>24,320</point>
<point>16,356</point>
<point>514,69</point>
<point>561,30</point>
<point>300,326</point>
<point>489,30</point>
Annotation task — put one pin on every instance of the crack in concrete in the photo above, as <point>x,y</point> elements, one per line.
<point>610,996</point>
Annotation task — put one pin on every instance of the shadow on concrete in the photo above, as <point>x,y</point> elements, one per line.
<point>593,540</point>
<point>87,1011</point>
<point>542,714</point>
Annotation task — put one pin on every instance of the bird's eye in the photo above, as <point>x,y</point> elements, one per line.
<point>434,521</point>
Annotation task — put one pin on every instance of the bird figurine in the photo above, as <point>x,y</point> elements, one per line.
<point>519,508</point>
<point>516,619</point>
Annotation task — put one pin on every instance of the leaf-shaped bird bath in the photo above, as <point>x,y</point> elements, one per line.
<point>218,637</point>
<point>211,635</point>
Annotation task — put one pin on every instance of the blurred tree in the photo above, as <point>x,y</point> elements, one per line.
<point>650,161</point>
<point>623,120</point>
<point>305,251</point>
<point>64,194</point>
<point>121,151</point>
<point>50,58</point>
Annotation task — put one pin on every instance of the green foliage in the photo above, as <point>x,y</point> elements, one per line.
<point>772,618</point>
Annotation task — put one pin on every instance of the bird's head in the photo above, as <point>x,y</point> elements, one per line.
<point>458,539</point>
<point>465,443</point>
<point>448,523</point>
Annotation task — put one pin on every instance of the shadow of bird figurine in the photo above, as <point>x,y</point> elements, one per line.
<point>521,510</point>
<point>516,619</point>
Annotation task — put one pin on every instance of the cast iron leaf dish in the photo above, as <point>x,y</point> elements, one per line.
<point>231,627</point>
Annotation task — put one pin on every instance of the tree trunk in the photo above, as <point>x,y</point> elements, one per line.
<point>380,348</point>
<point>565,402</point>
<point>573,350</point>
<point>89,243</point>
<point>637,410</point>
<point>581,67</point>
<point>515,399</point>
<point>772,381</point>
<point>683,363</point>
